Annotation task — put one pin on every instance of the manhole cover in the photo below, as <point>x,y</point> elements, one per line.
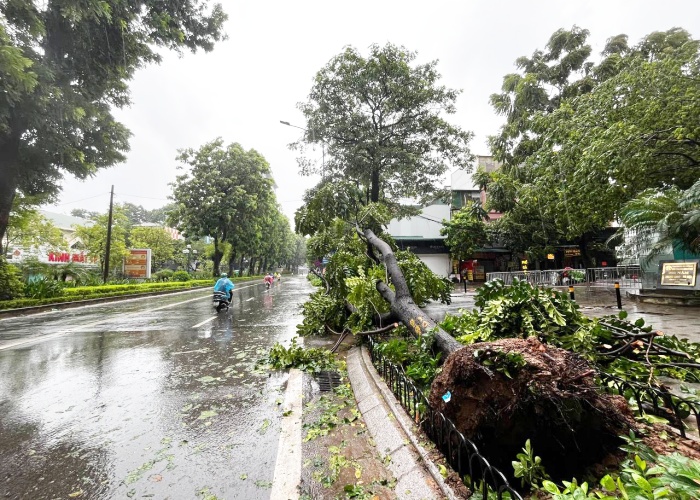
<point>328,380</point>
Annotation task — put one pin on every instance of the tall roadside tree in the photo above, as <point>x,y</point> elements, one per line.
<point>633,128</point>
<point>223,194</point>
<point>63,66</point>
<point>382,119</point>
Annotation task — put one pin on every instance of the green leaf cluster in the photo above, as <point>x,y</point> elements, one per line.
<point>644,475</point>
<point>11,283</point>
<point>519,310</point>
<point>308,359</point>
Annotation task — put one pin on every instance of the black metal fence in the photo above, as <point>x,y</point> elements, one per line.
<point>649,400</point>
<point>462,454</point>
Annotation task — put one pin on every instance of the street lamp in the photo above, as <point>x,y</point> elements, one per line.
<point>313,139</point>
<point>187,252</point>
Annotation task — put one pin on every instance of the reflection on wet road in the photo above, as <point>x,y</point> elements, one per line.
<point>151,398</point>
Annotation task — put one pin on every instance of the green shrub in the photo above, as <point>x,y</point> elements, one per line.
<point>164,275</point>
<point>181,276</point>
<point>11,285</point>
<point>43,287</point>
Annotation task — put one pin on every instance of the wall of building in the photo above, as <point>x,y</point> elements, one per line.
<point>425,226</point>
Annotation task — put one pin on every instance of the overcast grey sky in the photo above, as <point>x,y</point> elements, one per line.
<point>250,82</point>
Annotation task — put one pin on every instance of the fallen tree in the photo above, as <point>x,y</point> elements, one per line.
<point>549,397</point>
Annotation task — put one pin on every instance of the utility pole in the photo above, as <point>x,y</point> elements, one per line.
<point>109,237</point>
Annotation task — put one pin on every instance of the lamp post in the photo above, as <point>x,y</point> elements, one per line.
<point>187,252</point>
<point>313,139</point>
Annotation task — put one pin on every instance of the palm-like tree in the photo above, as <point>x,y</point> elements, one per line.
<point>659,219</point>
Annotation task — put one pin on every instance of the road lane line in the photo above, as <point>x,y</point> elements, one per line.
<point>288,464</point>
<point>248,300</point>
<point>205,321</point>
<point>95,323</point>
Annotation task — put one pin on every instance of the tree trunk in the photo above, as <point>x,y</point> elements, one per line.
<point>240,265</point>
<point>216,258</point>
<point>231,263</point>
<point>401,303</point>
<point>9,157</point>
<point>251,266</point>
<point>264,265</point>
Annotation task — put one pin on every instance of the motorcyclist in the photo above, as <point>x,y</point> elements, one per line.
<point>225,285</point>
<point>269,279</point>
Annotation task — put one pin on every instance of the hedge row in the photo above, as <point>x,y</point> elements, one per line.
<point>107,291</point>
<point>78,293</point>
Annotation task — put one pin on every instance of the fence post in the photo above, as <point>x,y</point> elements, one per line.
<point>617,295</point>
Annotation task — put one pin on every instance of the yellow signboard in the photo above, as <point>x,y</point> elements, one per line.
<point>678,273</point>
<point>572,252</point>
<point>137,263</point>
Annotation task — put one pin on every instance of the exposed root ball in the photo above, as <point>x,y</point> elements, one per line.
<point>505,392</point>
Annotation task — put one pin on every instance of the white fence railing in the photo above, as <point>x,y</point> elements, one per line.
<point>626,276</point>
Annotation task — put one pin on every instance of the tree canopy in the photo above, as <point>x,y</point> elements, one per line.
<point>64,66</point>
<point>632,126</point>
<point>227,194</point>
<point>382,118</point>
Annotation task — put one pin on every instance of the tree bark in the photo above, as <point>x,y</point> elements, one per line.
<point>231,263</point>
<point>9,157</point>
<point>216,258</point>
<point>401,303</point>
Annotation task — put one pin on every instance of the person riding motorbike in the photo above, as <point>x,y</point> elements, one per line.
<point>269,279</point>
<point>225,285</point>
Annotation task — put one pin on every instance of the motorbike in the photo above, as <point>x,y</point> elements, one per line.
<point>221,301</point>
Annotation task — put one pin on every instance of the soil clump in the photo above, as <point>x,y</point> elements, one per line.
<point>505,392</point>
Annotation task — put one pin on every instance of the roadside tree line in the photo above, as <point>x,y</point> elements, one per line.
<point>227,194</point>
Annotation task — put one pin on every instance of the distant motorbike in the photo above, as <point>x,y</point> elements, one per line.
<point>221,301</point>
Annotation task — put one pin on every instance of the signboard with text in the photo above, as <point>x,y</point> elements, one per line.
<point>572,252</point>
<point>137,263</point>
<point>675,274</point>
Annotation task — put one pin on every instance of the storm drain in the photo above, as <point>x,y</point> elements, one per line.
<point>328,380</point>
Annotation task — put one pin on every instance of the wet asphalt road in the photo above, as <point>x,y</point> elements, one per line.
<point>149,398</point>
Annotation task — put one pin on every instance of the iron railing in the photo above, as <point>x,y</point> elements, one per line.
<point>626,276</point>
<point>461,453</point>
<point>650,400</point>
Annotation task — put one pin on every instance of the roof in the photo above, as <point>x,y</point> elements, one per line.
<point>62,221</point>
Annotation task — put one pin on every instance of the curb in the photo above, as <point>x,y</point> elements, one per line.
<point>392,430</point>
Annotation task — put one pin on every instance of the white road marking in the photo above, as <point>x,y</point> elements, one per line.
<point>205,321</point>
<point>104,320</point>
<point>248,300</point>
<point>288,464</point>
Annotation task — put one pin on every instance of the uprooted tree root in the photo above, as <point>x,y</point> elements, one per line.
<point>511,390</point>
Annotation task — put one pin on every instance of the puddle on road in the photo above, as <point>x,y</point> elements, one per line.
<point>144,410</point>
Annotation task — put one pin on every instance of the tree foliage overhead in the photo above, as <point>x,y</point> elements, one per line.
<point>63,66</point>
<point>632,126</point>
<point>382,118</point>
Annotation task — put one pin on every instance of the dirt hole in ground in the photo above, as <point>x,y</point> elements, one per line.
<point>511,390</point>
